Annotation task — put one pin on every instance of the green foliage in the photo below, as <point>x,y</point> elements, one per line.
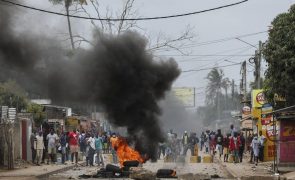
<point>38,114</point>
<point>215,78</point>
<point>12,95</point>
<point>279,53</point>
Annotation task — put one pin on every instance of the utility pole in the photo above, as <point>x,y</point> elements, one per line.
<point>257,61</point>
<point>244,81</point>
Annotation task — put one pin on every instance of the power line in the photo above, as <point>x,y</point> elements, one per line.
<point>207,55</point>
<point>196,70</point>
<point>127,19</point>
<point>221,40</point>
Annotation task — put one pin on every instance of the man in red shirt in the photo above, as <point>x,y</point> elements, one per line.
<point>234,145</point>
<point>73,142</point>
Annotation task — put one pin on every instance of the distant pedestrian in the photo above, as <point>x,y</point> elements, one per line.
<point>206,142</point>
<point>73,142</point>
<point>91,150</point>
<point>39,146</point>
<point>32,141</point>
<point>219,143</point>
<point>202,140</point>
<point>234,145</point>
<point>255,147</point>
<point>98,150</point>
<point>212,143</point>
<point>113,141</point>
<point>185,143</point>
<point>52,139</point>
<point>105,141</point>
<point>242,146</point>
<point>225,144</point>
<point>232,130</point>
<point>63,144</point>
<point>82,142</point>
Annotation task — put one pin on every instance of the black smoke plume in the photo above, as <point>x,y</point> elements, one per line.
<point>118,73</point>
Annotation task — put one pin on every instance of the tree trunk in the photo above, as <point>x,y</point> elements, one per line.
<point>69,26</point>
<point>8,133</point>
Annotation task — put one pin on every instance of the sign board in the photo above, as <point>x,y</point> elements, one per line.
<point>11,114</point>
<point>185,94</point>
<point>4,112</point>
<point>258,98</point>
<point>266,114</point>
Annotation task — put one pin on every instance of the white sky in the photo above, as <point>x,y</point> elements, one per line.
<point>250,17</point>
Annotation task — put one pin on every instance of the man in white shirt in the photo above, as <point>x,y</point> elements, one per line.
<point>52,139</point>
<point>91,152</point>
<point>39,146</point>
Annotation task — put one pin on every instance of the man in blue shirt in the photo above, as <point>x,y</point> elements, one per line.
<point>98,149</point>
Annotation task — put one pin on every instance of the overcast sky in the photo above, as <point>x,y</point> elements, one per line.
<point>250,17</point>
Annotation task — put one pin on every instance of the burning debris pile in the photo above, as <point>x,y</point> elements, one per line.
<point>119,74</point>
<point>131,170</point>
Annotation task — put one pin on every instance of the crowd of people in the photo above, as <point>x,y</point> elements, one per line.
<point>174,147</point>
<point>46,147</point>
<point>92,145</point>
<point>233,145</point>
<point>230,146</point>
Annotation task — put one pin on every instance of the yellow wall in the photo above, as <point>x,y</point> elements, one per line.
<point>256,113</point>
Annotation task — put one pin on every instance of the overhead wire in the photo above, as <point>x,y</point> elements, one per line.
<point>221,40</point>
<point>125,19</point>
<point>197,70</point>
<point>203,59</point>
<point>228,57</point>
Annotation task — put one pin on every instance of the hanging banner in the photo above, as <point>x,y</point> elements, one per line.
<point>258,98</point>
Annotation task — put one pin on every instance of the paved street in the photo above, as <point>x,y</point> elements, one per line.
<point>212,169</point>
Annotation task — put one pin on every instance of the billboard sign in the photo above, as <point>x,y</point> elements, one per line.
<point>258,98</point>
<point>185,94</point>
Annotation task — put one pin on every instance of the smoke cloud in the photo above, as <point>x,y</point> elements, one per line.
<point>118,73</point>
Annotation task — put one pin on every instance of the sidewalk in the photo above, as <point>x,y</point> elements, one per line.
<point>35,172</point>
<point>248,171</point>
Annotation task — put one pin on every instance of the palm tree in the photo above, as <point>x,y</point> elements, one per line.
<point>67,4</point>
<point>225,84</point>
<point>215,78</point>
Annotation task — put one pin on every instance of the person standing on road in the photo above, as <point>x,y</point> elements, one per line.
<point>91,150</point>
<point>82,142</point>
<point>63,144</point>
<point>185,143</point>
<point>32,141</point>
<point>255,148</point>
<point>242,146</point>
<point>105,142</point>
<point>219,142</point>
<point>225,144</point>
<point>113,141</point>
<point>98,150</point>
<point>234,145</point>
<point>202,140</point>
<point>262,141</point>
<point>73,142</point>
<point>39,146</point>
<point>232,130</point>
<point>52,139</point>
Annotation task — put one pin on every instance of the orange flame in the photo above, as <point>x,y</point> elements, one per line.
<point>125,152</point>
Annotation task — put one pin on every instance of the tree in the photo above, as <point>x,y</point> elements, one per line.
<point>279,53</point>
<point>225,84</point>
<point>161,42</point>
<point>67,4</point>
<point>12,95</point>
<point>215,77</point>
<point>38,113</point>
